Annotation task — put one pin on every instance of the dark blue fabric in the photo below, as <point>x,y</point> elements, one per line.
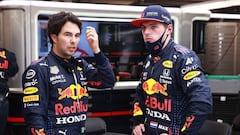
<point>57,106</point>
<point>173,91</point>
<point>4,107</point>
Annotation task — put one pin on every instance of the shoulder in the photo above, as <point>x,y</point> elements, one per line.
<point>185,56</point>
<point>183,51</point>
<point>10,53</point>
<point>37,65</point>
<point>39,62</point>
<point>36,70</point>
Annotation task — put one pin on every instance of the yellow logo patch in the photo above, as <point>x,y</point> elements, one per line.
<point>191,75</point>
<point>31,98</point>
<point>137,110</point>
<point>168,64</point>
<point>30,90</point>
<point>79,68</point>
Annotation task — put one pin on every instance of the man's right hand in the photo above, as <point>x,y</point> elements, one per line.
<point>139,129</point>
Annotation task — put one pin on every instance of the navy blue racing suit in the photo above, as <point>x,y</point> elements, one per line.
<point>173,95</point>
<point>56,93</point>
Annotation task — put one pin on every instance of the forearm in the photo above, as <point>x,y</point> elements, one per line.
<point>102,75</point>
<point>198,114</point>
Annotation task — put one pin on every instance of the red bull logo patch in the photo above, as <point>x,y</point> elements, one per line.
<point>4,64</point>
<point>76,107</point>
<point>37,131</point>
<point>188,122</point>
<point>137,110</point>
<point>151,86</point>
<point>74,92</point>
<point>154,103</point>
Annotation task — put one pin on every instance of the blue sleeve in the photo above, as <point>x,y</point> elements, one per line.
<point>195,86</point>
<point>35,99</point>
<point>102,75</point>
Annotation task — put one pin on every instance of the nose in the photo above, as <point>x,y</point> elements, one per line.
<point>74,39</point>
<point>146,31</point>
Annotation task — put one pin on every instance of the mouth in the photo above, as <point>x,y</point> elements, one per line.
<point>72,49</point>
<point>147,39</point>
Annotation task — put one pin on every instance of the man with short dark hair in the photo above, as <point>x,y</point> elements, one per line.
<point>57,104</point>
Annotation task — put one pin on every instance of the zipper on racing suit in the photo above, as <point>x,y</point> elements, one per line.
<point>78,100</point>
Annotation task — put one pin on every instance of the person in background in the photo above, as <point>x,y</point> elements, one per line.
<point>8,68</point>
<point>173,96</point>
<point>55,87</point>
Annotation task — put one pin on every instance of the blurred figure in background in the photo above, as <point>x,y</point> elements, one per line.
<point>8,68</point>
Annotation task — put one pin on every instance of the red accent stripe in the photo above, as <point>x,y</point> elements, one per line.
<point>15,119</point>
<point>124,74</point>
<point>106,114</point>
<point>90,114</point>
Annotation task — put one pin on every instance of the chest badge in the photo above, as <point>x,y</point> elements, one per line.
<point>168,64</point>
<point>151,87</point>
<point>54,70</point>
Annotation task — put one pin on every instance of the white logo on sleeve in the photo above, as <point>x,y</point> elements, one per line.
<point>189,61</point>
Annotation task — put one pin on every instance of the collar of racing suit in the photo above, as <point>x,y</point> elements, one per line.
<point>67,64</point>
<point>166,49</point>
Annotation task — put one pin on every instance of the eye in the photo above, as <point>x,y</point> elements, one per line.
<point>77,35</point>
<point>68,34</point>
<point>143,27</point>
<point>153,26</point>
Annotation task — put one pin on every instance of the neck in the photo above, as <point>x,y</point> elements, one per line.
<point>165,42</point>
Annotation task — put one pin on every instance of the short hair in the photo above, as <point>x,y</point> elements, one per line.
<point>56,22</point>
